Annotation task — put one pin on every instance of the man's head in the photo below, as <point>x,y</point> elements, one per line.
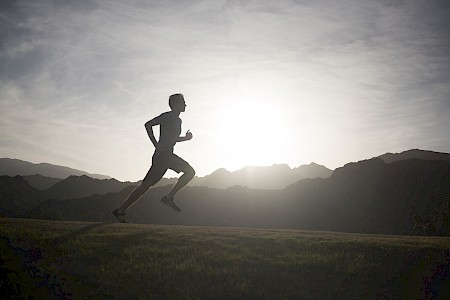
<point>176,102</point>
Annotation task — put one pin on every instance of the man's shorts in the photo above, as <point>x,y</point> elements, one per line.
<point>161,162</point>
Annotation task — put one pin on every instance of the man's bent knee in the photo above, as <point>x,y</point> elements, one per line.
<point>189,172</point>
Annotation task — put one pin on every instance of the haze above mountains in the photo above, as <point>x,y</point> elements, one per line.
<point>404,193</point>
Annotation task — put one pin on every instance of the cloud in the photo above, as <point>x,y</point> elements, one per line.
<point>372,73</point>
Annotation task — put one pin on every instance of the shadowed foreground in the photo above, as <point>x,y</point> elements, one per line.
<point>126,261</point>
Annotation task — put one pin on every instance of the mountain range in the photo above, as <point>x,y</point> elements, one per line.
<point>273,177</point>
<point>63,178</point>
<point>389,194</point>
<point>13,167</point>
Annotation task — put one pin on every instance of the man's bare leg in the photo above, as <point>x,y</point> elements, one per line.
<point>181,183</point>
<point>135,195</point>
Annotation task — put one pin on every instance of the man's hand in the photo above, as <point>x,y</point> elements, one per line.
<point>188,135</point>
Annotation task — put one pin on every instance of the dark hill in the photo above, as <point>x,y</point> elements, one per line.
<point>17,196</point>
<point>373,197</point>
<point>93,208</point>
<point>415,153</point>
<point>83,186</point>
<point>365,197</point>
<point>41,182</point>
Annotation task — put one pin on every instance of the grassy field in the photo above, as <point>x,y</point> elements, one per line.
<point>78,260</point>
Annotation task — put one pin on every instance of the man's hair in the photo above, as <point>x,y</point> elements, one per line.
<point>175,98</point>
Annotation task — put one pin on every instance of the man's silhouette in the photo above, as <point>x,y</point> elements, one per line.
<point>163,158</point>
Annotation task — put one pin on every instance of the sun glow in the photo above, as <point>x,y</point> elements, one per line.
<point>251,132</point>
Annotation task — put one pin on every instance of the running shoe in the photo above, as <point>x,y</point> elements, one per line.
<point>120,216</point>
<point>169,202</point>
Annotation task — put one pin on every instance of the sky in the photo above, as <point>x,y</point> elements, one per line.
<point>265,82</point>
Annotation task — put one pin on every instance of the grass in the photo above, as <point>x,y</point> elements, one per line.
<point>79,260</point>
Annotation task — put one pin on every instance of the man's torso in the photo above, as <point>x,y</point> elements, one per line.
<point>170,129</point>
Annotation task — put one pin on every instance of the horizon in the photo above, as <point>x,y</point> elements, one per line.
<point>220,168</point>
<point>232,171</point>
<point>265,83</point>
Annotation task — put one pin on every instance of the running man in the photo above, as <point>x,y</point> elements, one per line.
<point>163,158</point>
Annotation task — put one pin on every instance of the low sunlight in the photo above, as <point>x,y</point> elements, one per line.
<point>251,131</point>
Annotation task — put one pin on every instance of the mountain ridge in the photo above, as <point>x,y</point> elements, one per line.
<point>83,186</point>
<point>41,182</point>
<point>415,153</point>
<point>261,176</point>
<point>404,197</point>
<point>17,196</point>
<point>277,176</point>
<point>13,167</point>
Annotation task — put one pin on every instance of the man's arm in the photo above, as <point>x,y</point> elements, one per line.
<point>149,127</point>
<point>187,137</point>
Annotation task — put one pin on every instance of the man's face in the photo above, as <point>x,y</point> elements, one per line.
<point>181,105</point>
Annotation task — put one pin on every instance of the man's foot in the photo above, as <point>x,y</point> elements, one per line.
<point>120,216</point>
<point>169,202</point>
